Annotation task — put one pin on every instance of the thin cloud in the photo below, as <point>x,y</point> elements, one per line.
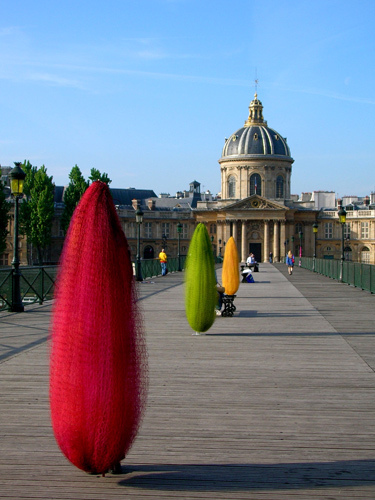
<point>331,95</point>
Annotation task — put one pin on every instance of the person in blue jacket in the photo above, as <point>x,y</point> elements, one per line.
<point>290,262</point>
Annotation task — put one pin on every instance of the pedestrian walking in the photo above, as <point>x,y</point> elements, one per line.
<point>290,262</point>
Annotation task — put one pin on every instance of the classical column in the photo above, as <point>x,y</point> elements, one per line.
<point>243,242</point>
<point>235,232</point>
<point>266,241</point>
<point>276,241</point>
<point>227,231</point>
<point>220,236</point>
<point>282,240</point>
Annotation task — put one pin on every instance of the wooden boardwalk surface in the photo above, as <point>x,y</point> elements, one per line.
<point>275,403</point>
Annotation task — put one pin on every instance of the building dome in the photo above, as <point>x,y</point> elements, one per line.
<point>255,139</point>
<point>256,160</point>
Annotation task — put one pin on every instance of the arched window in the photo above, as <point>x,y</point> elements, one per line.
<point>148,252</point>
<point>365,255</point>
<point>231,186</point>
<point>212,228</point>
<point>279,187</point>
<point>348,254</point>
<point>256,184</point>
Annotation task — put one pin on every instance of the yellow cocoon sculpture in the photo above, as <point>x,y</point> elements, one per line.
<point>200,282</point>
<point>231,272</point>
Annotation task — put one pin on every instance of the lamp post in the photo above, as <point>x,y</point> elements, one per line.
<point>219,247</point>
<point>179,230</point>
<point>17,177</point>
<point>292,241</point>
<point>342,219</point>
<point>315,231</point>
<point>139,220</point>
<point>300,247</point>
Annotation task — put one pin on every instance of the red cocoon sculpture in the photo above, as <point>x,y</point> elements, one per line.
<point>98,369</point>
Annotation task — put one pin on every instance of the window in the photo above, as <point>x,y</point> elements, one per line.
<point>365,253</point>
<point>364,230</point>
<point>165,229</point>
<point>131,233</point>
<point>298,228</point>
<point>4,259</point>
<point>279,187</point>
<point>231,186</point>
<point>148,229</point>
<point>255,184</point>
<point>328,230</point>
<point>347,231</point>
<point>212,228</point>
<point>185,231</point>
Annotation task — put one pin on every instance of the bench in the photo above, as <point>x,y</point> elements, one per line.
<point>229,307</point>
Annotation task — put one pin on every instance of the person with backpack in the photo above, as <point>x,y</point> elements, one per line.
<point>290,262</point>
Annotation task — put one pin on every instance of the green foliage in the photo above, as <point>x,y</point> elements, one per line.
<point>37,208</point>
<point>200,282</point>
<point>4,218</point>
<point>95,175</point>
<point>73,193</point>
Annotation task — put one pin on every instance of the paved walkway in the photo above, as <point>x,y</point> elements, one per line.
<point>275,403</point>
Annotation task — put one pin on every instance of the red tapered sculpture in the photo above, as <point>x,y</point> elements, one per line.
<point>98,360</point>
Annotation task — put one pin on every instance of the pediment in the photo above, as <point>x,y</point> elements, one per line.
<point>255,202</point>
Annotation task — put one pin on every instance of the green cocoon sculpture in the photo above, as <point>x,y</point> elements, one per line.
<point>200,290</point>
<point>231,272</point>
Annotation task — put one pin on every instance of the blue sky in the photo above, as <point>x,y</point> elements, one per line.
<point>148,90</point>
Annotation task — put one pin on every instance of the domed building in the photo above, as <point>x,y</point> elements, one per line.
<point>256,206</point>
<point>256,160</point>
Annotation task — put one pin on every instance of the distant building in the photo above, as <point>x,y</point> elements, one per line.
<point>259,211</point>
<point>255,206</point>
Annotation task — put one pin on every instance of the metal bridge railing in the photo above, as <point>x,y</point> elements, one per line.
<point>353,273</point>
<point>36,284</point>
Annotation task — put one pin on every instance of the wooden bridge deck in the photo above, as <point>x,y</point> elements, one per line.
<point>275,403</point>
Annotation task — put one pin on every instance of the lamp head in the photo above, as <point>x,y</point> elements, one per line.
<point>342,215</point>
<point>139,215</point>
<point>17,177</point>
<point>315,227</point>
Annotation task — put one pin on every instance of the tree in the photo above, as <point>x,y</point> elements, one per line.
<point>73,193</point>
<point>37,208</point>
<point>4,218</point>
<point>95,175</point>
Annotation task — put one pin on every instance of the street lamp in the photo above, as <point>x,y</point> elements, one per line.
<point>342,219</point>
<point>300,246</point>
<point>139,220</point>
<point>179,230</point>
<point>219,247</point>
<point>292,241</point>
<point>315,231</point>
<point>17,177</point>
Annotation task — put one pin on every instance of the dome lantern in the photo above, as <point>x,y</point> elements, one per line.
<point>255,113</point>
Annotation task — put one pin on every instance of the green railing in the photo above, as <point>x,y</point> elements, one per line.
<point>152,267</point>
<point>36,284</point>
<point>353,273</point>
